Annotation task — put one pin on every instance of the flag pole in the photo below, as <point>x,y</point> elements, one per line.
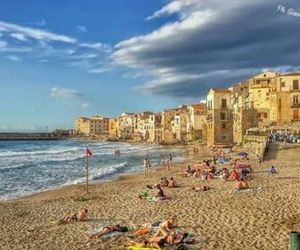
<point>86,172</point>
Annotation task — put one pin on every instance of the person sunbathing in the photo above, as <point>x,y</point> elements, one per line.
<point>272,170</point>
<point>242,184</point>
<point>69,217</point>
<point>166,227</point>
<point>225,174</point>
<point>160,193</point>
<point>188,171</point>
<point>164,182</point>
<point>108,229</point>
<point>81,215</point>
<point>176,238</point>
<point>172,183</point>
<point>203,188</point>
<point>234,175</point>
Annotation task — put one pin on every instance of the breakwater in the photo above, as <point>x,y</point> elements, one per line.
<point>28,136</point>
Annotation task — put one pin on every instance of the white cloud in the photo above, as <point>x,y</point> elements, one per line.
<point>37,34</point>
<point>64,93</point>
<point>14,58</point>
<point>175,6</point>
<point>98,70</point>
<point>19,36</point>
<point>81,28</point>
<point>3,44</point>
<point>97,46</point>
<point>85,105</point>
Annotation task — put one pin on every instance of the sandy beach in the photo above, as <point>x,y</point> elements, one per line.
<point>261,219</point>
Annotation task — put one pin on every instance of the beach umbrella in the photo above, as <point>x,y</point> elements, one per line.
<point>243,154</point>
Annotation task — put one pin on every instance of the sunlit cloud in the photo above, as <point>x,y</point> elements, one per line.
<point>64,93</point>
<point>14,58</point>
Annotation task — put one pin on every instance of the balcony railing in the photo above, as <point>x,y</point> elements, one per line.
<point>295,105</point>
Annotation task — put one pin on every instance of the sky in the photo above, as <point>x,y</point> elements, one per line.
<point>68,58</point>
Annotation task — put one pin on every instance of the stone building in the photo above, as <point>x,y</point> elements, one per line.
<point>260,87</point>
<point>285,102</point>
<point>219,118</point>
<point>82,126</point>
<point>113,128</point>
<point>127,123</point>
<point>244,115</point>
<point>146,126</point>
<point>180,124</point>
<point>94,126</point>
<point>99,126</point>
<point>166,121</point>
<point>196,126</point>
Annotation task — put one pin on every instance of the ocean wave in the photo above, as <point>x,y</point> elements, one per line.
<point>38,152</point>
<point>100,173</point>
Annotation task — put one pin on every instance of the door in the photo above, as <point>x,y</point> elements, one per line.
<point>295,114</point>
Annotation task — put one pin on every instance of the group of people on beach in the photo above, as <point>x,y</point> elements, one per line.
<point>167,163</point>
<point>155,235</point>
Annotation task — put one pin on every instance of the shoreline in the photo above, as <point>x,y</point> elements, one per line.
<point>107,178</point>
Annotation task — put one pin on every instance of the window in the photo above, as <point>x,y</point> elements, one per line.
<point>224,103</point>
<point>223,116</point>
<point>282,84</point>
<point>295,99</point>
<point>295,84</point>
<point>265,75</point>
<point>223,125</point>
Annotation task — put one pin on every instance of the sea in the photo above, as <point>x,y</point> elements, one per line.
<point>28,167</point>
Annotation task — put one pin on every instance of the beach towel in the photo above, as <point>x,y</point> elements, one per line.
<point>246,190</point>
<point>142,231</point>
<point>111,235</point>
<point>140,248</point>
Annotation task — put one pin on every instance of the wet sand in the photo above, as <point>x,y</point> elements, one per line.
<point>218,220</point>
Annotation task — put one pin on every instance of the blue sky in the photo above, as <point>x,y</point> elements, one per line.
<point>62,59</point>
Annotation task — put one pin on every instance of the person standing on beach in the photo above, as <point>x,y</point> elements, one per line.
<point>146,165</point>
<point>170,162</point>
<point>164,162</point>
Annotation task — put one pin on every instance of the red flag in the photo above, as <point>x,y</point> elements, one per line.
<point>89,152</point>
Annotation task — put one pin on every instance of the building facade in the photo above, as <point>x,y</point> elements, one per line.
<point>219,118</point>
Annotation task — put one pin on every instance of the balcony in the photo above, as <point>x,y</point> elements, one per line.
<point>295,105</point>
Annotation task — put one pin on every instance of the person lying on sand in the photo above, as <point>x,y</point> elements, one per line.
<point>203,188</point>
<point>166,227</point>
<point>225,174</point>
<point>242,184</point>
<point>173,183</point>
<point>153,242</point>
<point>188,171</point>
<point>234,175</point>
<point>108,229</point>
<point>81,215</point>
<point>176,238</point>
<point>272,170</point>
<point>164,182</point>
